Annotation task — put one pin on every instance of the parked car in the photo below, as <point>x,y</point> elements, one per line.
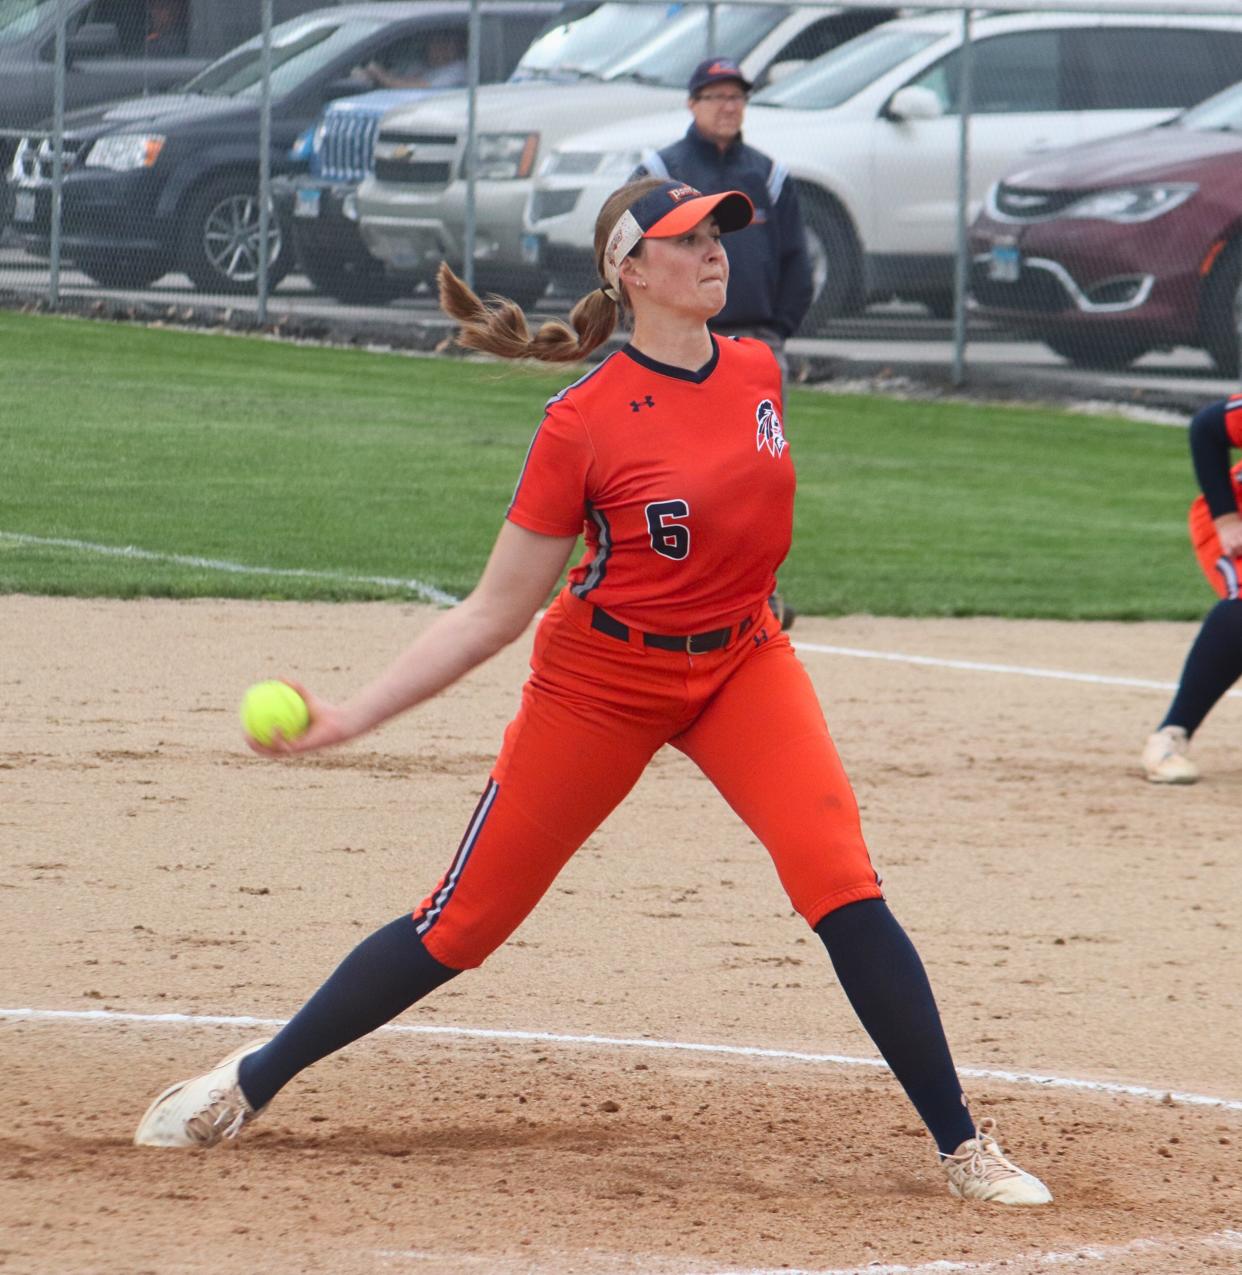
<point>168,182</point>
<point>412,209</point>
<point>870,134</point>
<point>1112,249</point>
<point>321,206</point>
<point>115,49</point>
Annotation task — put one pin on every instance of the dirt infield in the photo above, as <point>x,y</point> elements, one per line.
<point>1076,922</point>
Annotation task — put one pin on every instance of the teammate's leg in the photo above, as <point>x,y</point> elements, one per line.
<point>766,721</point>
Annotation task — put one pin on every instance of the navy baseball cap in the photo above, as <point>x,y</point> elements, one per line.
<point>671,209</point>
<point>713,70</point>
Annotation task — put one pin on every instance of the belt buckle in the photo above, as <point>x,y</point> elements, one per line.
<point>691,649</point>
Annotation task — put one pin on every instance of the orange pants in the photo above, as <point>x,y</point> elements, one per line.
<point>1223,573</point>
<point>594,712</point>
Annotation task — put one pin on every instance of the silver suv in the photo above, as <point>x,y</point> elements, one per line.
<point>412,210</point>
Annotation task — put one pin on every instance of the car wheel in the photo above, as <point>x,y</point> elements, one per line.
<point>220,243</point>
<point>1100,352</point>
<point>122,271</point>
<point>836,263</point>
<point>350,281</point>
<point>1222,312</point>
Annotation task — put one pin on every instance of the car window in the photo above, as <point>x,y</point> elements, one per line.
<point>1142,68</point>
<point>846,70</point>
<point>144,28</point>
<point>19,18</point>
<point>1010,74</point>
<point>670,56</point>
<point>588,44</point>
<point>299,50</point>
<point>827,33</point>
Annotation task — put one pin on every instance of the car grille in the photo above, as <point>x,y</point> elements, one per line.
<point>1036,292</point>
<point>1021,203</point>
<point>348,142</point>
<point>35,157</point>
<point>552,203</point>
<point>415,159</point>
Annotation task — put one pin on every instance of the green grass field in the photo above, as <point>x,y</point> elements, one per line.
<point>349,466</point>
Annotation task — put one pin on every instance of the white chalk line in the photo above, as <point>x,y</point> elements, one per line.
<point>419,588</point>
<point>1147,1092</point>
<point>430,593</point>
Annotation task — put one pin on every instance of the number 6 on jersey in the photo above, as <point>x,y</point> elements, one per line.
<point>669,538</point>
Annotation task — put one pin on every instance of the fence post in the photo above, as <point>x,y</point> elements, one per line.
<point>265,165</point>
<point>962,261</point>
<point>58,151</point>
<point>472,139</point>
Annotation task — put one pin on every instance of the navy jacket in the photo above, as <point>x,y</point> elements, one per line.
<point>769,269</point>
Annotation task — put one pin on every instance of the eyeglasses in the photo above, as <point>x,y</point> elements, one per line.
<point>725,99</point>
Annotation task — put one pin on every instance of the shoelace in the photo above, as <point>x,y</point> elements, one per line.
<point>985,1159</point>
<point>222,1117</point>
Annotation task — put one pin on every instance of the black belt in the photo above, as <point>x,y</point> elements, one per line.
<point>694,643</point>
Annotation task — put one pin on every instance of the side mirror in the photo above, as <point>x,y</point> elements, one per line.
<point>93,40</point>
<point>913,103</point>
<point>779,70</point>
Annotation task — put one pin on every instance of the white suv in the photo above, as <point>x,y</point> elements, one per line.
<point>870,134</point>
<point>630,61</point>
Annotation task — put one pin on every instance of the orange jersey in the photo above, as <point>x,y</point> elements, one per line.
<point>1223,574</point>
<point>682,483</point>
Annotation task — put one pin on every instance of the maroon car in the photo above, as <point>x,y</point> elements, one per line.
<point>1110,249</point>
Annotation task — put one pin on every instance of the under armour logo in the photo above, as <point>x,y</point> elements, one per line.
<point>761,637</point>
<point>645,401</point>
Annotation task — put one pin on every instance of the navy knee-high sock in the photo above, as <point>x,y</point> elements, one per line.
<point>385,974</point>
<point>886,984</point>
<point>1213,664</point>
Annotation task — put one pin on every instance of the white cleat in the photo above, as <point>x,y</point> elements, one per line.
<point>1165,760</point>
<point>200,1112</point>
<point>978,1170</point>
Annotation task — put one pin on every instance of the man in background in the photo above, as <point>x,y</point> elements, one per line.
<point>770,287</point>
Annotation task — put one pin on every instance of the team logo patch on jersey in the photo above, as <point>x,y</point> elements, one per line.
<point>769,434</point>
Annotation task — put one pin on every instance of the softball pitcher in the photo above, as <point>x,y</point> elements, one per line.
<point>1214,662</point>
<point>671,458</point>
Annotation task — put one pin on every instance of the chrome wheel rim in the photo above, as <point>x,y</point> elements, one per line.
<point>231,238</point>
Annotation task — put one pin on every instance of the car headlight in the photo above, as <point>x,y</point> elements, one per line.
<point>504,156</point>
<point>591,163</point>
<point>1133,203</point>
<point>125,151</point>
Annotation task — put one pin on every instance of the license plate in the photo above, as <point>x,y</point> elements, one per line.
<point>24,206</point>
<point>306,203</point>
<point>1005,265</point>
<point>532,249</point>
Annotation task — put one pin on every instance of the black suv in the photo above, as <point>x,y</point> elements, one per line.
<point>171,182</point>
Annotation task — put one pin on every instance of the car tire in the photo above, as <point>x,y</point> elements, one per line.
<point>1221,321</point>
<point>122,271</point>
<point>836,262</point>
<point>352,282</point>
<point>220,242</point>
<point>1100,352</point>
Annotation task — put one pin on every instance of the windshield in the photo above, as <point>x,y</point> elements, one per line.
<point>846,70</point>
<point>683,43</point>
<point>1221,113</point>
<point>21,17</point>
<point>588,45</point>
<point>299,50</point>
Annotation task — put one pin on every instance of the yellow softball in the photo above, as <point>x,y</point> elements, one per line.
<point>268,707</point>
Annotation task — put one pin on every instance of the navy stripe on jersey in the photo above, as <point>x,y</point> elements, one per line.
<point>599,564</point>
<point>473,829</point>
<point>586,376</point>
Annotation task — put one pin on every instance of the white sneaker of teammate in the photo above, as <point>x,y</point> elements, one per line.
<point>1165,760</point>
<point>200,1112</point>
<point>978,1170</point>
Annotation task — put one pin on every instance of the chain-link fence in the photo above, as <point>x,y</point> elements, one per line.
<point>1064,174</point>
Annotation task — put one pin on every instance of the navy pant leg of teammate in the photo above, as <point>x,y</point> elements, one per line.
<point>1213,665</point>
